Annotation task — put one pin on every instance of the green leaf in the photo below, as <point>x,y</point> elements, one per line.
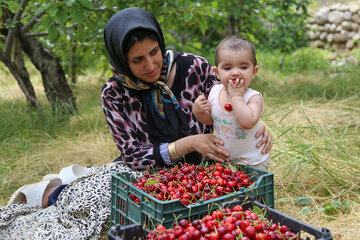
<point>12,5</point>
<point>69,3</point>
<point>336,203</point>
<point>52,10</point>
<point>233,167</point>
<point>151,182</point>
<point>61,15</point>
<point>77,15</point>
<point>47,21</point>
<point>86,3</point>
<point>188,16</point>
<point>237,14</point>
<point>283,200</point>
<point>52,33</point>
<point>80,34</point>
<point>202,24</point>
<point>306,210</point>
<point>329,209</point>
<point>303,200</point>
<point>257,210</point>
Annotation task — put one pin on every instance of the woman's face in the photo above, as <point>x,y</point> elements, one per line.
<point>145,60</point>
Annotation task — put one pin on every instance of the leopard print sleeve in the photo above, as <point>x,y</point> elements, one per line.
<point>123,112</point>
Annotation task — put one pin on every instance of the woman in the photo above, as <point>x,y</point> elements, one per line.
<point>147,104</point>
<point>148,101</point>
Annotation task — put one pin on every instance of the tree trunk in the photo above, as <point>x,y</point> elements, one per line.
<point>56,87</point>
<point>57,90</point>
<point>231,25</point>
<point>18,70</point>
<point>22,77</point>
<point>73,67</point>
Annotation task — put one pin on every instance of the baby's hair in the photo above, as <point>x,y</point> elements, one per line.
<point>138,35</point>
<point>235,43</point>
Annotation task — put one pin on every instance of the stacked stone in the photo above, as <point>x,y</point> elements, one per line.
<point>337,27</point>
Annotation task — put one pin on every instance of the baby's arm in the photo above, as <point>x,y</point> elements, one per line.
<point>202,110</point>
<point>247,115</point>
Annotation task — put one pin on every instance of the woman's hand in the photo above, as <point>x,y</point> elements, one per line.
<point>209,146</point>
<point>206,144</point>
<point>265,141</point>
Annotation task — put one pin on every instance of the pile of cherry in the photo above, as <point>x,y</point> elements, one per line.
<point>190,183</point>
<point>226,224</point>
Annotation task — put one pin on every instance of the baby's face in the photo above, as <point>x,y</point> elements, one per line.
<point>235,65</point>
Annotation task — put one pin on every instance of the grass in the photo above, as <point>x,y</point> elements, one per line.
<point>311,110</point>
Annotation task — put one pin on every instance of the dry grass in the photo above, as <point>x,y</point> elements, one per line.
<point>329,117</point>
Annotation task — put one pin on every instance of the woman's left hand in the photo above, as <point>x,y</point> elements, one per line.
<point>265,141</point>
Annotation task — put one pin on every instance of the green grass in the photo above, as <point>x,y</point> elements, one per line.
<point>311,110</point>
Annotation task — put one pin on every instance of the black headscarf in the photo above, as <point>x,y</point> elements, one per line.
<point>119,26</point>
<point>164,117</point>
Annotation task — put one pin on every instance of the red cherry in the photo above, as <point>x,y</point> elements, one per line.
<point>184,223</point>
<point>244,224</point>
<point>228,107</point>
<point>260,236</point>
<point>178,231</point>
<point>221,231</point>
<point>284,228</point>
<point>237,208</point>
<point>250,232</point>
<point>160,228</point>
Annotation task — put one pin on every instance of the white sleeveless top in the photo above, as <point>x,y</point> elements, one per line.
<point>239,142</point>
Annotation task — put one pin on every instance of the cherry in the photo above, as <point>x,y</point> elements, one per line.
<point>184,237</point>
<point>237,208</point>
<point>284,228</point>
<point>228,107</point>
<point>178,231</point>
<point>219,190</point>
<point>257,224</point>
<point>213,236</point>
<point>221,231</point>
<point>196,235</point>
<point>228,236</point>
<point>244,224</point>
<point>260,236</point>
<point>160,228</point>
<point>217,214</point>
<point>204,230</point>
<point>183,223</point>
<point>250,232</point>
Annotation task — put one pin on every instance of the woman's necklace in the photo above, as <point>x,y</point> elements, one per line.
<point>227,106</point>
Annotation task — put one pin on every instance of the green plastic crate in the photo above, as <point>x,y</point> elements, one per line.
<point>152,211</point>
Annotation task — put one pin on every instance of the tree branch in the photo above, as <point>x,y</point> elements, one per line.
<point>36,34</point>
<point>11,33</point>
<point>32,22</point>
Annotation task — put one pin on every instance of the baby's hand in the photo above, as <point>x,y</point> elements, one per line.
<point>201,105</point>
<point>236,87</point>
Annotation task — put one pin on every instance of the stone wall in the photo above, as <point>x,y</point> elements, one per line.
<point>337,27</point>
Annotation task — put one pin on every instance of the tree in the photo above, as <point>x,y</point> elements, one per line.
<point>59,37</point>
<point>16,41</point>
<point>69,34</point>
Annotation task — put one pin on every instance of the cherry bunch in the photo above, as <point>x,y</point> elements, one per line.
<point>226,224</point>
<point>189,183</point>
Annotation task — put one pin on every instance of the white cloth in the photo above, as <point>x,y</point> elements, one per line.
<point>83,208</point>
<point>239,142</point>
